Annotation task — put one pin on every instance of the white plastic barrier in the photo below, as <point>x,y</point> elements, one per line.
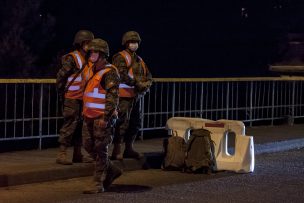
<point>180,125</point>
<point>236,126</point>
<point>243,159</point>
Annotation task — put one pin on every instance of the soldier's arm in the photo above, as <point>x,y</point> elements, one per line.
<point>121,65</point>
<point>111,85</point>
<point>148,75</point>
<point>67,68</point>
<point>144,84</point>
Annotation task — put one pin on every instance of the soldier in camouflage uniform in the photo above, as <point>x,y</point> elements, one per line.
<point>100,102</point>
<point>70,89</point>
<point>136,80</point>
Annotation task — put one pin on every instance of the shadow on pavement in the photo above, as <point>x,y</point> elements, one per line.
<point>118,188</point>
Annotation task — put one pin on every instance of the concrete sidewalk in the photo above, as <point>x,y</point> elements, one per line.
<point>23,167</point>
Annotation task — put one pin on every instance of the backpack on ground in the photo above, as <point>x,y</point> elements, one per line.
<point>175,151</point>
<point>200,152</point>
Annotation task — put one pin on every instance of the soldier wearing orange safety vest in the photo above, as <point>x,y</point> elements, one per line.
<point>70,88</point>
<point>100,103</point>
<point>136,80</point>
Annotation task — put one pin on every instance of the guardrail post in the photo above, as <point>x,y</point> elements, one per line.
<point>173,100</point>
<point>272,104</point>
<point>201,102</point>
<point>142,116</point>
<point>291,118</point>
<point>227,101</point>
<point>40,115</point>
<point>251,103</point>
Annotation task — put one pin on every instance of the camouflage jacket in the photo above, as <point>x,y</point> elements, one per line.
<point>68,67</point>
<point>110,83</point>
<point>138,70</point>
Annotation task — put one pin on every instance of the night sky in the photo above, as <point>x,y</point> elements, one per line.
<point>185,38</point>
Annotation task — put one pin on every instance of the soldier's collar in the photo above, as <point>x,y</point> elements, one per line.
<point>133,54</point>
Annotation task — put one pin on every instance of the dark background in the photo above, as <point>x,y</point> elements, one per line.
<point>180,38</point>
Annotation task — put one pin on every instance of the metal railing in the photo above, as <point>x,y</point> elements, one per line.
<point>29,108</point>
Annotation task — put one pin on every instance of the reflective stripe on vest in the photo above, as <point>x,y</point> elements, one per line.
<point>94,97</point>
<point>75,90</point>
<point>122,85</point>
<point>128,60</point>
<point>127,57</point>
<point>78,79</point>
<point>95,94</point>
<point>79,59</point>
<point>124,89</point>
<point>87,73</point>
<point>95,106</point>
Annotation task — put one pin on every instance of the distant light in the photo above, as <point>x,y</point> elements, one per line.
<point>244,12</point>
<point>277,6</point>
<point>40,15</point>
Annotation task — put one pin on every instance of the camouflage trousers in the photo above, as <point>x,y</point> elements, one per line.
<point>96,141</point>
<point>129,121</point>
<point>70,132</point>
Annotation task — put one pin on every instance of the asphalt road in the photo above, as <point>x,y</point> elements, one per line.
<point>278,177</point>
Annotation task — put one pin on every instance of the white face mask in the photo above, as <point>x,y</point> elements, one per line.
<point>133,46</point>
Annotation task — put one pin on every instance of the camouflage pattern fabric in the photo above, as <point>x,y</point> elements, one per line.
<point>68,67</point>
<point>72,108</point>
<point>96,139</point>
<point>97,133</point>
<point>129,121</point>
<point>138,71</point>
<point>129,116</point>
<point>71,128</point>
<point>111,85</point>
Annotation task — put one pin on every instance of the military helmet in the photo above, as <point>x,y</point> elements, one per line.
<point>99,45</point>
<point>130,36</point>
<point>83,35</point>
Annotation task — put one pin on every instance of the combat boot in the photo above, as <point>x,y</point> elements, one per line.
<point>62,156</point>
<point>113,173</point>
<point>79,158</point>
<point>95,187</point>
<point>131,153</point>
<point>116,153</point>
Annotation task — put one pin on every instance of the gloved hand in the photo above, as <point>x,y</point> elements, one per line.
<point>115,114</point>
<point>142,87</point>
<point>114,118</point>
<point>100,123</point>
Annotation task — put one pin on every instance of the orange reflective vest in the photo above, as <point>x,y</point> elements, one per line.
<point>94,97</point>
<point>124,89</point>
<point>87,72</point>
<point>76,88</point>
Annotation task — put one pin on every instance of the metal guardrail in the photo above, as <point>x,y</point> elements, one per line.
<point>252,100</point>
<point>29,108</point>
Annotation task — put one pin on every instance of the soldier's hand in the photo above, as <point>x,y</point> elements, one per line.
<point>115,114</point>
<point>143,87</point>
<point>114,118</point>
<point>101,123</point>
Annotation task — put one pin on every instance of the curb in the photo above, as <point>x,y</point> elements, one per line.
<point>278,146</point>
<point>150,160</point>
<point>60,172</point>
